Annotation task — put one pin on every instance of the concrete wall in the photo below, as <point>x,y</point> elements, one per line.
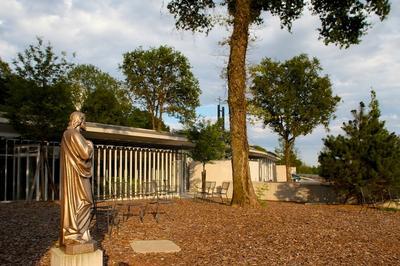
<point>281,173</point>
<point>218,171</point>
<point>296,192</point>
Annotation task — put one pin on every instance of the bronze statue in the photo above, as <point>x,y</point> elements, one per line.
<point>76,170</point>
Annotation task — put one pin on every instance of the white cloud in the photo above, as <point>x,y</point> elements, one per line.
<point>101,31</point>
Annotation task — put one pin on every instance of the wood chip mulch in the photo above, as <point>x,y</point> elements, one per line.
<point>214,234</point>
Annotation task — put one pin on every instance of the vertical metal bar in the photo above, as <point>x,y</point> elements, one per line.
<point>53,170</point>
<point>126,172</point>
<point>130,173</point>
<point>109,170</point>
<point>46,174</point>
<point>98,166</point>
<point>5,171</point>
<point>14,173</point>
<point>115,175</point>
<point>158,175</point>
<point>140,176</point>
<point>18,173</point>
<point>145,170</point>
<point>162,172</point>
<point>120,174</point>
<point>38,193</point>
<point>27,178</point>
<point>174,165</point>
<point>185,176</point>
<point>104,170</point>
<point>136,175</point>
<point>153,164</point>
<point>170,171</point>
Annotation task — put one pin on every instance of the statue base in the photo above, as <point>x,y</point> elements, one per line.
<point>59,257</point>
<point>79,248</point>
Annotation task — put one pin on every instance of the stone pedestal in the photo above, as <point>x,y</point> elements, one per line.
<point>59,257</point>
<point>78,248</point>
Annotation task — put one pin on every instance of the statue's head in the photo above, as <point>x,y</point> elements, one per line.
<point>77,119</point>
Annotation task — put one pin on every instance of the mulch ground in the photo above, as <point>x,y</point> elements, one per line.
<point>216,234</point>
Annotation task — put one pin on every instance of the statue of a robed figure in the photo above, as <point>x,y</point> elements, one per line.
<point>76,170</point>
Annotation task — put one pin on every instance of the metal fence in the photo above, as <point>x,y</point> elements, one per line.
<point>30,170</point>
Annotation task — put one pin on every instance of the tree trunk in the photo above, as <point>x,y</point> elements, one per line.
<point>153,115</point>
<point>287,161</point>
<point>203,179</point>
<point>243,191</point>
<point>159,119</point>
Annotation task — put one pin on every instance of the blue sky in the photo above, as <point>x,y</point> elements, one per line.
<point>101,31</point>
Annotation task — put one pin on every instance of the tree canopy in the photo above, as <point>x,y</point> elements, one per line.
<point>40,64</point>
<point>39,101</point>
<point>85,79</point>
<point>5,75</point>
<point>342,23</point>
<point>209,143</point>
<point>365,158</point>
<point>161,80</point>
<point>294,96</point>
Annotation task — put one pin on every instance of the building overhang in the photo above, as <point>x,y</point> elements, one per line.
<point>253,153</point>
<point>137,136</point>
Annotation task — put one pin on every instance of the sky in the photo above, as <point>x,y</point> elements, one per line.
<point>100,31</point>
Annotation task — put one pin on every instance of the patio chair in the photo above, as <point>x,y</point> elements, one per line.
<point>223,190</point>
<point>106,206</point>
<point>210,186</point>
<point>158,196</point>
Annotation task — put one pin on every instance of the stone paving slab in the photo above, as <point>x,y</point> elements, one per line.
<point>154,246</point>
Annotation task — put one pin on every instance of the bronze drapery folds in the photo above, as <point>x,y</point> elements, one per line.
<point>75,196</point>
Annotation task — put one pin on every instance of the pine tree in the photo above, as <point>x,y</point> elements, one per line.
<point>366,158</point>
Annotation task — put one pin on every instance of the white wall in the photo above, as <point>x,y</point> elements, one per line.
<point>281,172</point>
<point>220,171</point>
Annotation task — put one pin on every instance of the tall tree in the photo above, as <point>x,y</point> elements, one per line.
<point>5,75</point>
<point>295,97</point>
<point>342,23</point>
<point>85,79</point>
<point>162,82</point>
<point>365,158</point>
<point>39,63</point>
<point>40,99</point>
<point>209,144</point>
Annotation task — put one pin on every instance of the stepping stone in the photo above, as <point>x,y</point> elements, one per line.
<point>154,246</point>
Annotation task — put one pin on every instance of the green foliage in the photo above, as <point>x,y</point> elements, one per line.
<point>5,75</point>
<point>41,65</point>
<point>161,81</point>
<point>342,22</point>
<point>366,158</point>
<point>306,169</point>
<point>102,106</point>
<point>260,191</point>
<point>209,141</point>
<point>39,113</point>
<point>293,156</point>
<point>85,79</point>
<point>104,99</point>
<point>39,101</point>
<point>294,98</point>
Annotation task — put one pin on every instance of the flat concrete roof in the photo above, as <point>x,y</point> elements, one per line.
<point>114,133</point>
<point>261,154</point>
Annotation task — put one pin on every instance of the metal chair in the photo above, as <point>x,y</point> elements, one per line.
<point>223,190</point>
<point>106,206</point>
<point>158,196</point>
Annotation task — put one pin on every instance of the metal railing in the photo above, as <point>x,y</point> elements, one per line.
<point>30,170</point>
